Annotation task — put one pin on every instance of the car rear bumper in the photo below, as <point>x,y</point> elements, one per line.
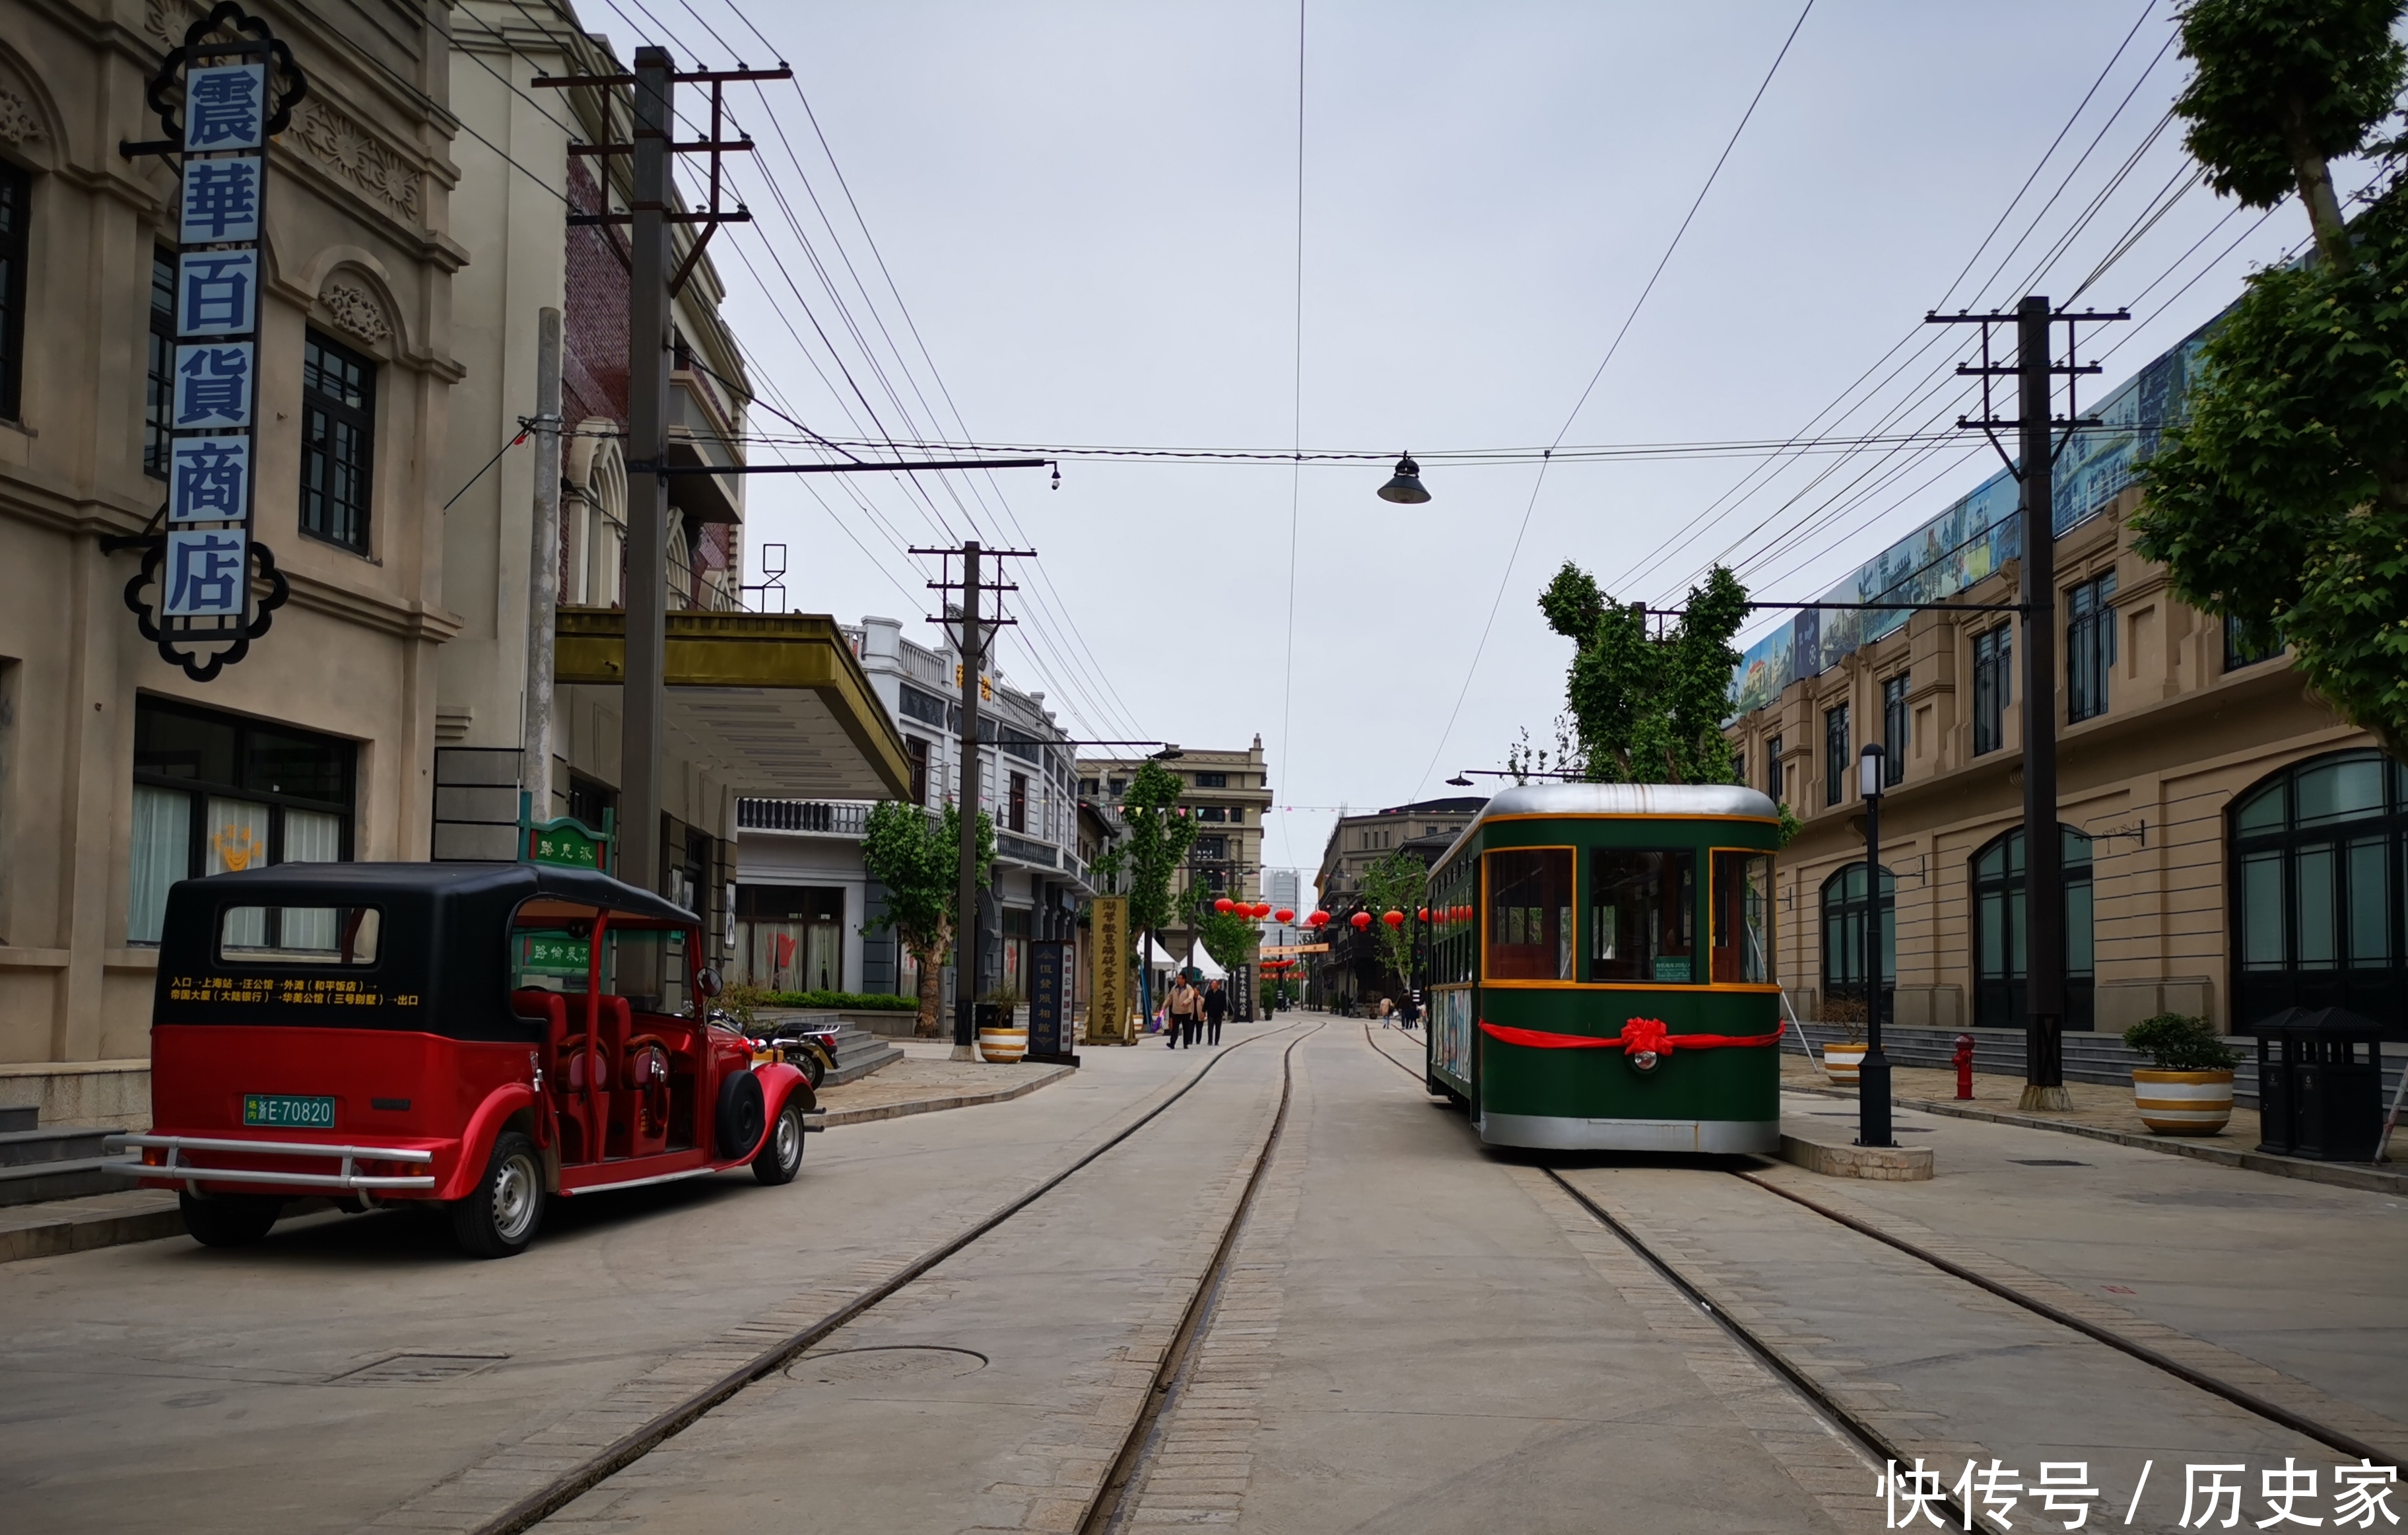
<point>174,1169</point>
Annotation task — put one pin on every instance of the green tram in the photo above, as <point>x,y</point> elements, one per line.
<point>1601,969</point>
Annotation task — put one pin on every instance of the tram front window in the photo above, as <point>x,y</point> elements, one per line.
<point>1530,915</point>
<point>1643,914</point>
<point>1742,917</point>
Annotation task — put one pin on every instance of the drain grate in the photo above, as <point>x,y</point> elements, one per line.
<point>2046,1162</point>
<point>419,1368</point>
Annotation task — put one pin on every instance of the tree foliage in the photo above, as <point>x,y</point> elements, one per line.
<point>917,858</point>
<point>2282,501</point>
<point>1395,883</point>
<point>1157,842</point>
<point>1227,936</point>
<point>2282,86</point>
<point>1648,708</point>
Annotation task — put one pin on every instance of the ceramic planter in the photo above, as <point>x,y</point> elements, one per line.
<point>1841,1059</point>
<point>1003,1045</point>
<point>2183,1102</point>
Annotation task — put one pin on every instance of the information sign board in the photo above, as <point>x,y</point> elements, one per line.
<point>1108,989</point>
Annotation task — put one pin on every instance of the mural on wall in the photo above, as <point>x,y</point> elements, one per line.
<point>1976,535</point>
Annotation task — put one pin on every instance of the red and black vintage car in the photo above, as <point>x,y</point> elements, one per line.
<point>477,1034</point>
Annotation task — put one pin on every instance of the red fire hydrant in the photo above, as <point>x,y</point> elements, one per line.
<point>1964,1066</point>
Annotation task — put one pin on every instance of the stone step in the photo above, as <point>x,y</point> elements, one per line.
<point>71,1178</point>
<point>55,1144</point>
<point>13,1120</point>
<point>858,1051</point>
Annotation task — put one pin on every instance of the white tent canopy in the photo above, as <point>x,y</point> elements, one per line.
<point>1161,961</point>
<point>1203,963</point>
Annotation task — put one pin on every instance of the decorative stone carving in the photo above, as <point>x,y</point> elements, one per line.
<point>356,310</point>
<point>351,152</point>
<point>163,19</point>
<point>19,123</point>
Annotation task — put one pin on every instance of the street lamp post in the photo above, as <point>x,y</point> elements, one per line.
<point>1872,1076</point>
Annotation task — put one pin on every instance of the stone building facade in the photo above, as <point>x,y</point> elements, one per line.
<point>118,772</point>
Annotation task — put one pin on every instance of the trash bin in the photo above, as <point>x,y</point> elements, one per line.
<point>2319,1084</point>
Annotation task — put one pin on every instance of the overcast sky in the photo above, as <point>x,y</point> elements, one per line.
<point>1089,212</point>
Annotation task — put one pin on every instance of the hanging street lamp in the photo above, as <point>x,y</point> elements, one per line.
<point>1405,489</point>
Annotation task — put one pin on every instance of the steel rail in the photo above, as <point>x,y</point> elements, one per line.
<point>533,1509</point>
<point>2249,1401</point>
<point>1109,1513</point>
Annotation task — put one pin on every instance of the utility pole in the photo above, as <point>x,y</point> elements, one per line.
<point>646,703</point>
<point>543,570</point>
<point>2044,847</point>
<point>2034,466</point>
<point>652,288</point>
<point>972,644</point>
<point>1873,1073</point>
<point>967,950</point>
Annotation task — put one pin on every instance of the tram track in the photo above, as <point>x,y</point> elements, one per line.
<point>532,1508</point>
<point>1868,1435</point>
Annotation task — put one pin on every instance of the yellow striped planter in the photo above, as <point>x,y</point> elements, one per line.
<point>2183,1102</point>
<point>1840,1063</point>
<point>1003,1045</point>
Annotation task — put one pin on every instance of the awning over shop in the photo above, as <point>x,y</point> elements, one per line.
<point>774,704</point>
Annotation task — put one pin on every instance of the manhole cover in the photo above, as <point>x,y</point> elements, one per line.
<point>420,1369</point>
<point>2046,1162</point>
<point>883,1366</point>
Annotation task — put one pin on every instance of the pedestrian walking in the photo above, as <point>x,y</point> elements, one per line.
<point>1216,1007</point>
<point>1387,1010</point>
<point>1184,1004</point>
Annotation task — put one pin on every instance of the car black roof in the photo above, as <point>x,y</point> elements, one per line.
<point>319,884</point>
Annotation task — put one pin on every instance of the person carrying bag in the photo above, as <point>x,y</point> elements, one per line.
<point>1184,1004</point>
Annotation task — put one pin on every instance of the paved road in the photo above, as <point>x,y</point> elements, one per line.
<point>1409,1334</point>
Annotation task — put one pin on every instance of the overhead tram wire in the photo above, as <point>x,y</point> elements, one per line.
<point>1716,509</point>
<point>1296,443</point>
<point>1539,479</point>
<point>900,544</point>
<point>1044,577</point>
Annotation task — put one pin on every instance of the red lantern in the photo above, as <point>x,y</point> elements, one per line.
<point>1361,920</point>
<point>1225,905</point>
<point>1319,919</point>
<point>1262,909</point>
<point>1424,913</point>
<point>1284,915</point>
<point>1393,919</point>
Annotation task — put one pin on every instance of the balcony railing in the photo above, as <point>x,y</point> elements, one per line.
<point>827,817</point>
<point>1025,849</point>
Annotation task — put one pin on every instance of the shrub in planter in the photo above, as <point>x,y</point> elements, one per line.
<point>850,1001</point>
<point>2188,1087</point>
<point>1844,1056</point>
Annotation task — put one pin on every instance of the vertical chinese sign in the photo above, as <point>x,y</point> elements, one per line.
<point>1108,997</point>
<point>206,585</point>
<point>1050,1031</point>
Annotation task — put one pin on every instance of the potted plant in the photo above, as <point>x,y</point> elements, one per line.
<point>2188,1087</point>
<point>1844,1056</point>
<point>1000,1038</point>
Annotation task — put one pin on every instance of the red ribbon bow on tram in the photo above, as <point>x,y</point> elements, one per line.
<point>1639,1037</point>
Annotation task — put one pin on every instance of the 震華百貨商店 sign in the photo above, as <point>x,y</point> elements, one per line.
<point>208,586</point>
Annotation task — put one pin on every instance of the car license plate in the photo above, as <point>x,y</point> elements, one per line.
<point>285,1112</point>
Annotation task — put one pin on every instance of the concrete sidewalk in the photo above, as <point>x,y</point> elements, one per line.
<point>2098,1114</point>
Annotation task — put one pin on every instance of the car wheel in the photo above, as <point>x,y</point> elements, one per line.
<point>228,1220</point>
<point>740,1113</point>
<point>498,1218</point>
<point>781,1156</point>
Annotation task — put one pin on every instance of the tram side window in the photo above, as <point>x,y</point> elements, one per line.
<point>1643,914</point>
<point>1530,915</point>
<point>1743,917</point>
<point>1453,946</point>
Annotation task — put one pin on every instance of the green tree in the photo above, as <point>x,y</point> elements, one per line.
<point>1395,883</point>
<point>1227,936</point>
<point>2282,502</point>
<point>917,858</point>
<point>1159,835</point>
<point>1648,708</point>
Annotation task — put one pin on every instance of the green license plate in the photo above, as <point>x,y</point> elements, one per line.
<point>288,1113</point>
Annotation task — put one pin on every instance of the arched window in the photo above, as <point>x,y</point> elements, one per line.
<point>1999,952</point>
<point>2318,854</point>
<point>1844,912</point>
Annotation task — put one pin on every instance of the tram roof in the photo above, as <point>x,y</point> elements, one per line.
<point>1670,800</point>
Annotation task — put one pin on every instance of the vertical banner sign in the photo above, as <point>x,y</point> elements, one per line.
<point>1049,1034</point>
<point>208,586</point>
<point>1241,981</point>
<point>1107,988</point>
